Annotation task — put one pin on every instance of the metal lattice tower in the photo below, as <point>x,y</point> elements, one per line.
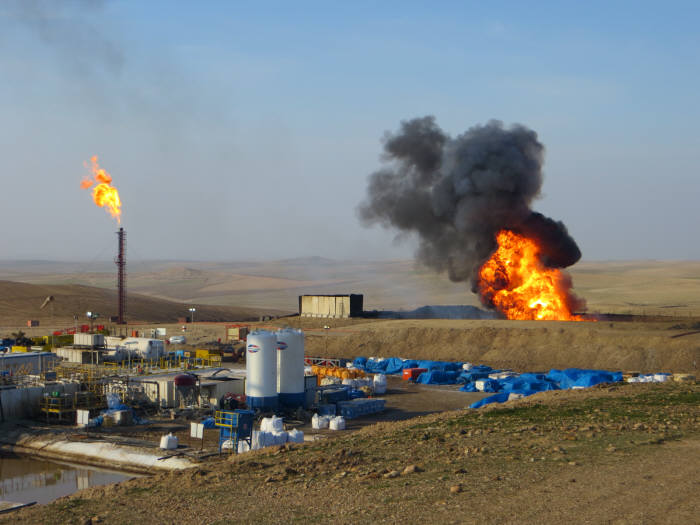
<point>121,276</point>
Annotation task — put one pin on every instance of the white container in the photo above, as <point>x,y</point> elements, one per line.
<point>168,442</point>
<point>88,340</point>
<point>379,384</point>
<point>272,424</point>
<point>278,438</point>
<point>319,422</point>
<point>295,436</point>
<point>261,370</point>
<point>143,347</point>
<point>337,423</point>
<point>290,367</point>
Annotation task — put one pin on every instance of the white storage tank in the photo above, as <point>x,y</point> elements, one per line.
<point>142,347</point>
<point>290,367</point>
<point>261,370</point>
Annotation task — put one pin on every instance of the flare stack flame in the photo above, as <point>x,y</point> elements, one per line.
<point>104,194</point>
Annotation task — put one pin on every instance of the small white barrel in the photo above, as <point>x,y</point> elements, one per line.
<point>261,370</point>
<point>290,367</point>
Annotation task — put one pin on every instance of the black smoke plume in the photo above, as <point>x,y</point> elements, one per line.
<point>457,193</point>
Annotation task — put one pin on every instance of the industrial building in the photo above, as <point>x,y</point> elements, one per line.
<point>331,306</point>
<point>212,384</point>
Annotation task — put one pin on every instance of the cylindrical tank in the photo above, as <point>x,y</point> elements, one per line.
<point>290,367</point>
<point>261,370</point>
<point>185,380</point>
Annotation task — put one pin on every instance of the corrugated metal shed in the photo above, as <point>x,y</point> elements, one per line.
<point>331,306</point>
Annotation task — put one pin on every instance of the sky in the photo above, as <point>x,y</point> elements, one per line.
<point>247,130</point>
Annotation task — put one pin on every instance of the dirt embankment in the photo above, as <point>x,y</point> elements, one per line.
<point>524,346</point>
<point>612,454</point>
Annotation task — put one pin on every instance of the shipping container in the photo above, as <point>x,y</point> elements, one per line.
<point>236,332</point>
<point>88,340</point>
<point>143,347</point>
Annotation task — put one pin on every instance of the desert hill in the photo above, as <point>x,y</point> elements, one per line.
<point>669,288</point>
<point>21,301</point>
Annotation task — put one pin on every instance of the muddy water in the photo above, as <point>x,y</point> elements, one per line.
<point>24,480</point>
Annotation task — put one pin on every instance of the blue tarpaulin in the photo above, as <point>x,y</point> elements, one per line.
<point>359,362</point>
<point>437,377</point>
<point>450,373</point>
<point>389,365</point>
<point>469,377</point>
<point>496,398</point>
<point>395,365</point>
<point>572,377</point>
<point>444,366</point>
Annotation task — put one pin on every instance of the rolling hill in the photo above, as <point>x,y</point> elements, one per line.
<point>21,301</point>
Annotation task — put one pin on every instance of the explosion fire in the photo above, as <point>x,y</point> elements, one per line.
<point>516,282</point>
<point>459,196</point>
<point>104,194</point>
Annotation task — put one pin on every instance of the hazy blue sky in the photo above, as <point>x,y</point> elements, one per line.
<point>247,129</point>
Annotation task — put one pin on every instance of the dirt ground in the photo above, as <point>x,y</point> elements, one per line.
<point>612,454</point>
<point>658,345</point>
<point>641,345</point>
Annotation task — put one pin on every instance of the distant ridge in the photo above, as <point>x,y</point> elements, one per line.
<point>314,260</point>
<point>21,301</point>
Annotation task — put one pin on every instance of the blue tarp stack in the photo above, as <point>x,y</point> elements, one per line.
<point>528,384</point>
<point>438,377</point>
<point>390,365</point>
<point>395,365</point>
<point>452,373</point>
<point>572,377</point>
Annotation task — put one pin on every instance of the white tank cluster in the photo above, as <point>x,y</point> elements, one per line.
<point>261,370</point>
<point>290,367</point>
<point>275,369</point>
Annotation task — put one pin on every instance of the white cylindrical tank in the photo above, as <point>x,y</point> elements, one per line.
<point>261,370</point>
<point>290,367</point>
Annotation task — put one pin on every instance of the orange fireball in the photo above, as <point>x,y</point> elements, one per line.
<point>104,194</point>
<point>515,282</point>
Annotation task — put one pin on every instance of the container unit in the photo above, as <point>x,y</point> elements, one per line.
<point>261,370</point>
<point>290,367</point>
<point>236,332</point>
<point>143,347</point>
<point>88,340</point>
